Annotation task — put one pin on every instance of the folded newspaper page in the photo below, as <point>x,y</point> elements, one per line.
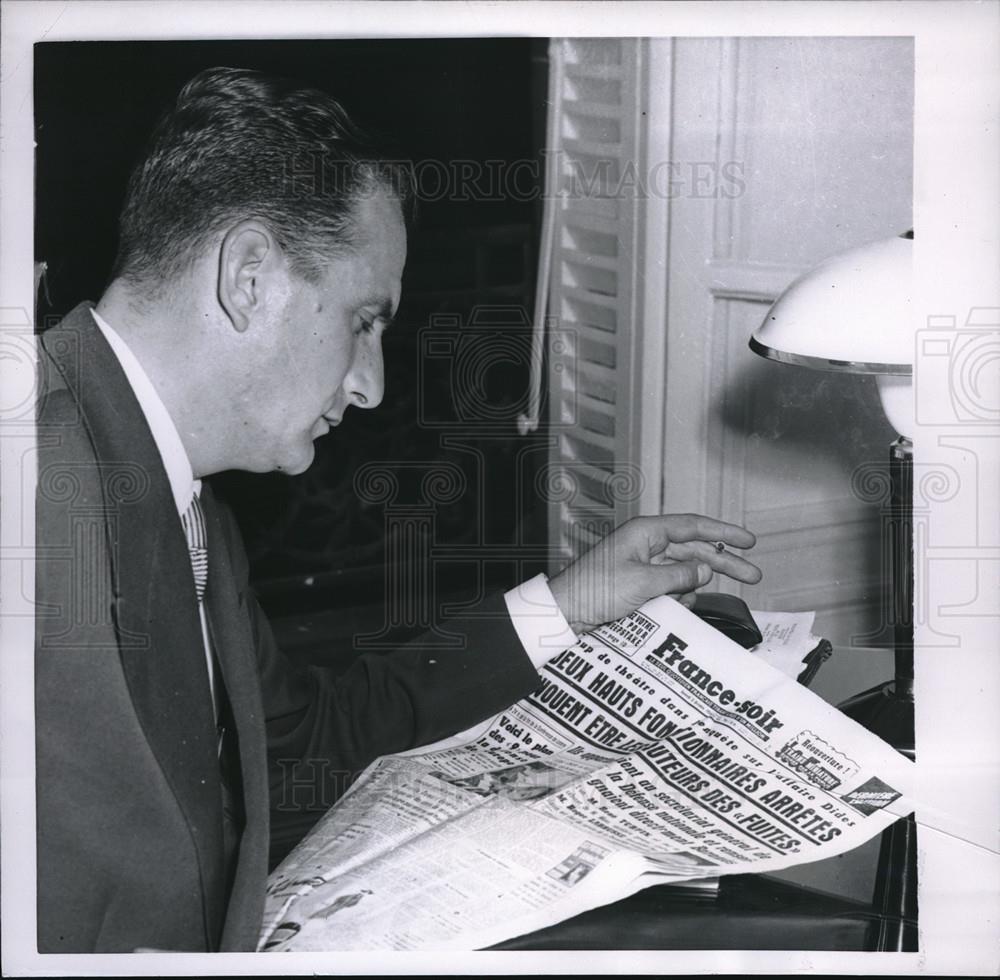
<point>653,751</point>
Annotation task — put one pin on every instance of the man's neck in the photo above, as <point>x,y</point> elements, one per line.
<point>158,335</point>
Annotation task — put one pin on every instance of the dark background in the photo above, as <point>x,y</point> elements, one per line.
<point>318,549</point>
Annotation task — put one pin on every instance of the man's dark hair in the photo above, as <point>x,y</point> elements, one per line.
<point>238,144</point>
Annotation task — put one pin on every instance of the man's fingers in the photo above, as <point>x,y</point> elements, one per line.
<point>692,550</point>
<point>695,527</point>
<point>736,567</point>
<point>724,562</point>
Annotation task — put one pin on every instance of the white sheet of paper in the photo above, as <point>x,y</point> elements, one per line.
<point>788,639</point>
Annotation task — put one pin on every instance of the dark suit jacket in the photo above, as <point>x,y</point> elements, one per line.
<point>130,846</point>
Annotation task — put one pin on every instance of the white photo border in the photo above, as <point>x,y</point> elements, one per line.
<point>957,216</point>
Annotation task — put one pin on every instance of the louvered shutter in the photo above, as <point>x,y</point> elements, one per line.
<point>599,410</point>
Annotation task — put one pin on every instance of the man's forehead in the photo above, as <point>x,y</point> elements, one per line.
<point>363,280</point>
<point>381,236</point>
<point>378,216</point>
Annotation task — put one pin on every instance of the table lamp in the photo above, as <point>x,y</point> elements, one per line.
<point>852,314</point>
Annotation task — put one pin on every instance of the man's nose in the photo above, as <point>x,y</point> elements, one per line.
<point>365,382</point>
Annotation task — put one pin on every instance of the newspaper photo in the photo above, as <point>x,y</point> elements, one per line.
<point>653,751</point>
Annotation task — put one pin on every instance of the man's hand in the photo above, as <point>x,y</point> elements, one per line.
<point>647,557</point>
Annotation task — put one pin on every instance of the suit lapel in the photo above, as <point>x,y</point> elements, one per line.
<point>235,651</point>
<point>155,605</point>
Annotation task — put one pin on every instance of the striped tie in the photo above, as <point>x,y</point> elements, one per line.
<point>227,746</point>
<point>193,520</point>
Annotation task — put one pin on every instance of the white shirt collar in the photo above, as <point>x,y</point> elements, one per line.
<point>183,485</point>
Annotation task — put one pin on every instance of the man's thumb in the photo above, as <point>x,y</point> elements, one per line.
<point>683,576</point>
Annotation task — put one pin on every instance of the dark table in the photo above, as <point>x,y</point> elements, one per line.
<point>750,912</point>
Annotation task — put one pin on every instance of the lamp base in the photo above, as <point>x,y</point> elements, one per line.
<point>886,710</point>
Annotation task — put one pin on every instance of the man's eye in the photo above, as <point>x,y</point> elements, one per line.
<point>373,324</point>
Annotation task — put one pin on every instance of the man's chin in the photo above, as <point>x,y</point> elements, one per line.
<point>298,463</point>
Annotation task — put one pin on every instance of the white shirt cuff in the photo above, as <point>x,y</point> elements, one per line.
<point>538,620</point>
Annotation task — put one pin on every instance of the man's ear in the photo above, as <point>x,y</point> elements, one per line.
<point>247,257</point>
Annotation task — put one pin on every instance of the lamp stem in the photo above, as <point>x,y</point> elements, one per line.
<point>887,710</point>
<point>901,530</point>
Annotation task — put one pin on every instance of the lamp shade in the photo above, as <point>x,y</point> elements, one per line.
<point>850,313</point>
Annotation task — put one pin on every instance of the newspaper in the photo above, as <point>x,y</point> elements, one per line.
<point>655,750</point>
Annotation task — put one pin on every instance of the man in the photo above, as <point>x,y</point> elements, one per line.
<point>244,317</point>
